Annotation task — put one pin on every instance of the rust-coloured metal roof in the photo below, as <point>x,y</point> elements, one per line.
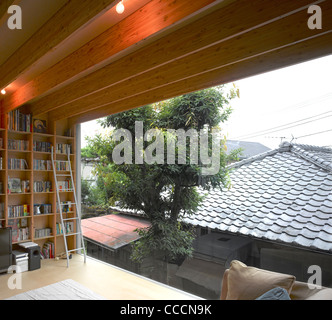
<point>114,230</point>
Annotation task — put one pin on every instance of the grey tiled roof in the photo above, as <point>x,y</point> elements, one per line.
<point>249,149</point>
<point>283,195</point>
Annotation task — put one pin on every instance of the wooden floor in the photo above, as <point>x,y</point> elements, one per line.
<point>110,282</point>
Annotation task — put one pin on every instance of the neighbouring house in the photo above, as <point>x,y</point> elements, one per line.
<point>108,238</point>
<point>249,149</point>
<point>276,215</point>
<point>87,166</point>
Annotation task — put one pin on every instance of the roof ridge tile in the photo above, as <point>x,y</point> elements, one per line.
<point>311,157</point>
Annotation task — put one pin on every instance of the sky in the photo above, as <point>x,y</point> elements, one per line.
<point>289,104</point>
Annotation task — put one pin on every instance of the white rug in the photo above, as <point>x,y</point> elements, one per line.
<point>63,290</point>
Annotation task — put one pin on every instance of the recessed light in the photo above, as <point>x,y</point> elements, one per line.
<point>3,91</point>
<point>119,7</point>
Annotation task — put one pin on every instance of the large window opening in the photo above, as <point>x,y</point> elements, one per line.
<point>276,212</point>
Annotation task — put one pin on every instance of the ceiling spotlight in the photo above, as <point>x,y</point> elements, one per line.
<point>3,91</point>
<point>119,7</point>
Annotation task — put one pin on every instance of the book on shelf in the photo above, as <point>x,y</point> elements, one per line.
<point>1,143</point>
<point>20,229</point>
<point>43,232</point>
<point>15,185</point>
<point>59,228</point>
<point>17,164</point>
<point>16,211</point>
<point>47,251</point>
<point>18,145</point>
<point>42,146</point>
<point>61,165</point>
<point>42,186</point>
<point>42,164</point>
<point>18,121</point>
<point>65,185</point>
<point>45,208</point>
<point>69,227</point>
<point>63,148</point>
<point>66,206</point>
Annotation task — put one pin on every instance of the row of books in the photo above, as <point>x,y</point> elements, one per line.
<point>1,143</point>
<point>18,211</point>
<point>69,225</point>
<point>20,229</point>
<point>61,165</point>
<point>19,121</point>
<point>42,164</point>
<point>47,251</point>
<point>16,185</point>
<point>42,146</point>
<point>66,206</point>
<point>63,148</point>
<point>65,185</point>
<point>19,145</point>
<point>44,232</point>
<point>42,186</point>
<point>58,228</point>
<point>17,164</point>
<point>21,164</point>
<point>20,234</point>
<point>45,208</point>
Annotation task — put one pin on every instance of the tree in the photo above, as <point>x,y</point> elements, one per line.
<point>165,191</point>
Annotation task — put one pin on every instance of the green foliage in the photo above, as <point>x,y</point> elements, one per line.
<point>163,192</point>
<point>164,239</point>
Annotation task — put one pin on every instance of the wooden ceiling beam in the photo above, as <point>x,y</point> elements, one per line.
<point>211,29</point>
<point>67,20</point>
<point>4,5</point>
<point>272,60</point>
<point>245,46</point>
<point>148,20</point>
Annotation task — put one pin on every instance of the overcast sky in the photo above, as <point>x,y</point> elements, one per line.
<point>290,102</point>
<point>293,102</point>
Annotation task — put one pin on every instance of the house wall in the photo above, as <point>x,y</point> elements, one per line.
<point>295,261</point>
<point>280,258</point>
<point>202,275</point>
<point>119,258</point>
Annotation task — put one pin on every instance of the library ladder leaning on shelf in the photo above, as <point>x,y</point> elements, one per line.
<point>67,224</point>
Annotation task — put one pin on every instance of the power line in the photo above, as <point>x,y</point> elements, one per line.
<point>313,134</point>
<point>283,127</point>
<point>303,104</point>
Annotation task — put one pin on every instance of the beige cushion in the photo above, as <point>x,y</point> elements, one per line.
<point>301,291</point>
<point>248,283</point>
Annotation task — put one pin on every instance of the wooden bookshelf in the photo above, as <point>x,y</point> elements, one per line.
<point>33,149</point>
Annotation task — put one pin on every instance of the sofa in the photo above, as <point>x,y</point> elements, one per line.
<point>242,282</point>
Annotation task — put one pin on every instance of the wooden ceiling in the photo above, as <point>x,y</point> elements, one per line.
<point>86,61</point>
